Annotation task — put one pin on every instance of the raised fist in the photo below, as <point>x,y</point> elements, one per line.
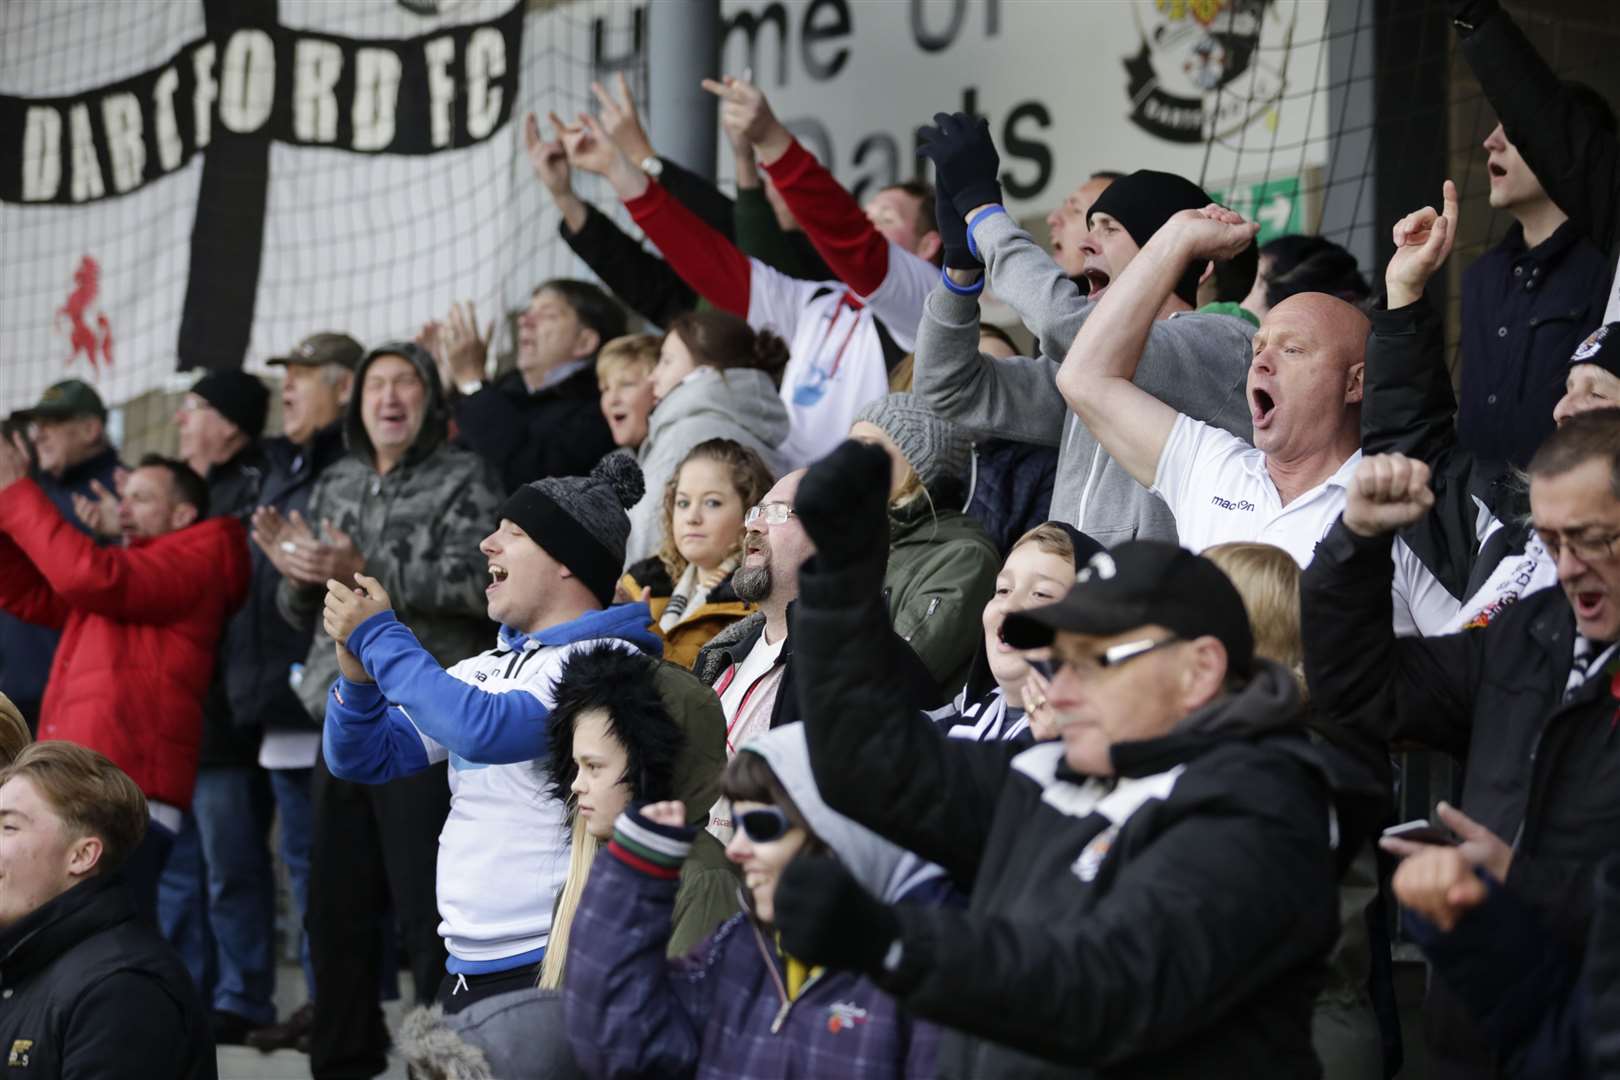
<point>1388,492</point>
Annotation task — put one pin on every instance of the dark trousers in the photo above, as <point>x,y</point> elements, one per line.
<point>143,868</point>
<point>456,992</point>
<point>369,843</point>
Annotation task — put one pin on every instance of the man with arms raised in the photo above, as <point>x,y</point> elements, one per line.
<point>1150,895</point>
<point>1304,393</point>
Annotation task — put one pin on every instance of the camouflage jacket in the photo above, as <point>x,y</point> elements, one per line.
<point>419,526</point>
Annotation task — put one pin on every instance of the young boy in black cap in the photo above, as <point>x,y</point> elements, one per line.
<point>1151,895</point>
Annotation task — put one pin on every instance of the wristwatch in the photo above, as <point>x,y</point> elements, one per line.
<point>653,166</point>
<point>470,387</point>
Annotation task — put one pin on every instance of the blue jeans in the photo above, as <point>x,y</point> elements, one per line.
<point>291,788</point>
<point>216,901</point>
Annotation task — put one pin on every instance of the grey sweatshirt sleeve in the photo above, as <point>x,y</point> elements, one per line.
<point>1034,286</point>
<point>1199,365</point>
<point>1016,398</point>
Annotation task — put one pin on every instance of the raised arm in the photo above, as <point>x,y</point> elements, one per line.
<point>1132,425</point>
<point>155,582</point>
<point>25,593</point>
<point>1576,159</point>
<point>859,722</point>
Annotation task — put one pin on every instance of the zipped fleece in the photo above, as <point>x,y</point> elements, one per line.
<point>503,853</point>
<point>1196,364</point>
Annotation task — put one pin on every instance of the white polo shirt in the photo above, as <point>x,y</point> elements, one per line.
<point>1220,491</point>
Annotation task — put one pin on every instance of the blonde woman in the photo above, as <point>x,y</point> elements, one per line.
<point>688,585</point>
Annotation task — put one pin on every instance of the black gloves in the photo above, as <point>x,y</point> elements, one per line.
<point>825,917</point>
<point>843,503</point>
<point>965,160</point>
<point>952,227</point>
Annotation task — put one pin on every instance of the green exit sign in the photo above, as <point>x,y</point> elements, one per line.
<point>1275,204</point>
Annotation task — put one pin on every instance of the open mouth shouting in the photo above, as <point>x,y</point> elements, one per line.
<point>497,576</point>
<point>1262,408</point>
<point>1097,279</point>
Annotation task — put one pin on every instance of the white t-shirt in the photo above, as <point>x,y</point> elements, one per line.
<point>1220,491</point>
<point>747,700</point>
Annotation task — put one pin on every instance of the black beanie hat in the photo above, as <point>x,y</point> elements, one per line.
<point>1599,351</point>
<point>1143,202</point>
<point>238,397</point>
<point>581,520</point>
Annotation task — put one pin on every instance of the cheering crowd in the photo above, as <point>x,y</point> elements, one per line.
<point>817,686</point>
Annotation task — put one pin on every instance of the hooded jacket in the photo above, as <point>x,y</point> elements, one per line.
<point>942,571</point>
<point>741,404</point>
<point>89,990</point>
<point>674,736</point>
<point>1172,921</point>
<point>724,1011</point>
<point>1196,364</point>
<point>418,526</point>
<point>140,625</point>
<point>503,853</point>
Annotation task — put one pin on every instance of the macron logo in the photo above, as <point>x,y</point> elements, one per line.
<point>1228,504</point>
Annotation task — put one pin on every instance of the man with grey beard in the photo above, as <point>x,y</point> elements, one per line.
<point>749,663</point>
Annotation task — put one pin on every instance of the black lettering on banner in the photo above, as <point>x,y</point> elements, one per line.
<point>812,32</point>
<point>750,25</point>
<point>252,78</point>
<point>1019,146</point>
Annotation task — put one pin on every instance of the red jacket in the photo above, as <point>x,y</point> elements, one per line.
<point>140,626</point>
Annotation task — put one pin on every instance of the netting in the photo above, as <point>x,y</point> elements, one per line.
<point>370,243</point>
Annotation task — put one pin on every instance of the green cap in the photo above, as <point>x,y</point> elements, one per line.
<point>63,401</point>
<point>324,348</point>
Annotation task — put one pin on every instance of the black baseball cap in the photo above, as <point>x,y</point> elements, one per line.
<point>1138,583</point>
<point>63,401</point>
<point>323,348</point>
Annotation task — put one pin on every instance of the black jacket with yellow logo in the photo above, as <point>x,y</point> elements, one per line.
<point>87,990</point>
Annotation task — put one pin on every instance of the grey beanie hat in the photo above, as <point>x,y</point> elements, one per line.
<point>937,449</point>
<point>581,520</point>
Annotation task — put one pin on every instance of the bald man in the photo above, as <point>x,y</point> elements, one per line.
<point>1303,387</point>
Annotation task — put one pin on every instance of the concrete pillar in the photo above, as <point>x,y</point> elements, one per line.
<point>683,48</point>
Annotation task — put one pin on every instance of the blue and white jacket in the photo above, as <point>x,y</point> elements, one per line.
<point>503,853</point>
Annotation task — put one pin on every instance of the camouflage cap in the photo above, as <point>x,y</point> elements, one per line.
<point>63,401</point>
<point>323,348</point>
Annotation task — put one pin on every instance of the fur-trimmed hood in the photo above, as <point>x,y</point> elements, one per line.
<point>671,725</point>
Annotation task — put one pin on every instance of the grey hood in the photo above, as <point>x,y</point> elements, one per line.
<point>742,398</point>
<point>883,869</point>
<point>435,427</point>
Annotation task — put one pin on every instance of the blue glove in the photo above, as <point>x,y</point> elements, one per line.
<point>965,160</point>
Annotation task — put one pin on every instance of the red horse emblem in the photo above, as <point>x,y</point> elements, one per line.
<point>97,348</point>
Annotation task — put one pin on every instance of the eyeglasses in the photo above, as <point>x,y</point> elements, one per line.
<point>1585,548</point>
<point>1089,664</point>
<point>764,825</point>
<point>768,513</point>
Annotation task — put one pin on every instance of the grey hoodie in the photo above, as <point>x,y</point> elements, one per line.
<point>741,404</point>
<point>1196,364</point>
<point>883,869</point>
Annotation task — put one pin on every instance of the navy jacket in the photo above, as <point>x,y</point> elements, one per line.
<point>260,646</point>
<point>1524,312</point>
<point>26,650</point>
<point>557,431</point>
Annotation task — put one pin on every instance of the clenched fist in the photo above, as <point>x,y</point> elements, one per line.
<point>1388,492</point>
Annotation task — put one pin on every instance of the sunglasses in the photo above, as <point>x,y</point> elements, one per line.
<point>1112,657</point>
<point>764,825</point>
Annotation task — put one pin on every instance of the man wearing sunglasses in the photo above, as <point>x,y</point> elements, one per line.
<point>1152,895</point>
